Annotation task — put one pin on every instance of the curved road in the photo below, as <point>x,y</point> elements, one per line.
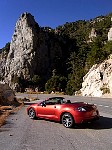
<point>22,133</point>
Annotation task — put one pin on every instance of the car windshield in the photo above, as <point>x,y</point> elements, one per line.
<point>54,101</point>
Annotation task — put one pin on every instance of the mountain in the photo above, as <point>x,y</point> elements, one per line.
<point>40,55</point>
<point>33,51</point>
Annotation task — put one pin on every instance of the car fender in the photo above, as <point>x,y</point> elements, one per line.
<point>66,110</point>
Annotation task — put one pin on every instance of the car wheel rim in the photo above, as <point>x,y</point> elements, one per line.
<point>31,113</point>
<point>67,121</point>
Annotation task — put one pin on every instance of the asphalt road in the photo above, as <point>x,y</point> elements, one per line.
<point>22,133</point>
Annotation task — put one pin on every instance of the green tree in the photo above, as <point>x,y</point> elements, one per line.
<point>52,84</point>
<point>107,49</point>
<point>76,68</point>
<point>56,83</point>
<point>62,83</point>
<point>36,80</point>
<point>96,54</point>
<point>6,48</point>
<point>69,89</point>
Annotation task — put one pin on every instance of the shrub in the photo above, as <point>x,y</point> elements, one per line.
<point>105,89</point>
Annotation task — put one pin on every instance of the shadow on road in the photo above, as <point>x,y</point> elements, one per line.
<point>102,123</point>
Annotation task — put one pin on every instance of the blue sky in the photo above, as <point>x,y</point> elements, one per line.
<point>50,13</point>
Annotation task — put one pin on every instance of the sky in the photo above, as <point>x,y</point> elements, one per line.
<point>50,13</point>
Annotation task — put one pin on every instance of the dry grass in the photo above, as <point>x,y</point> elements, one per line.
<point>5,111</point>
<point>3,116</point>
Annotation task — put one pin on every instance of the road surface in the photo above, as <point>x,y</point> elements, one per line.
<point>22,133</point>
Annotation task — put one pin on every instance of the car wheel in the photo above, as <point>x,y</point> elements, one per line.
<point>31,113</point>
<point>67,120</point>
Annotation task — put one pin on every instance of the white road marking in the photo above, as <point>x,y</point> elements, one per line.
<point>100,105</point>
<point>106,106</point>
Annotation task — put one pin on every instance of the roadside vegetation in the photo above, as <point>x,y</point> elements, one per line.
<point>6,110</point>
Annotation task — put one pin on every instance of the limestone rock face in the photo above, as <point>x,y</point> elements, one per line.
<point>98,80</point>
<point>3,58</point>
<point>110,35</point>
<point>92,35</point>
<point>6,94</point>
<point>29,45</point>
<point>21,48</point>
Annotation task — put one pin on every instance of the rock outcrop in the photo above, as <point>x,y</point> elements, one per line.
<point>92,35</point>
<point>6,94</point>
<point>29,45</point>
<point>19,60</point>
<point>98,80</point>
<point>110,35</point>
<point>3,58</point>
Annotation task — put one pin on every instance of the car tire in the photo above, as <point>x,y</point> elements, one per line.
<point>31,113</point>
<point>67,120</point>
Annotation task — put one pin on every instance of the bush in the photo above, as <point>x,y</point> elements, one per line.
<point>105,89</point>
<point>56,83</point>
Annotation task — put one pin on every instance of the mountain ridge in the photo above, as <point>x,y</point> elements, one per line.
<point>68,51</point>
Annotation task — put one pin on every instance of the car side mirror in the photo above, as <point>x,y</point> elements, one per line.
<point>43,104</point>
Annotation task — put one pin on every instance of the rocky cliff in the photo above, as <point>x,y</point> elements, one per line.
<point>92,35</point>
<point>32,51</point>
<point>110,35</point>
<point>23,47</point>
<point>98,81</point>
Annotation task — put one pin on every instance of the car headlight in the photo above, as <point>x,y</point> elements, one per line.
<point>81,109</point>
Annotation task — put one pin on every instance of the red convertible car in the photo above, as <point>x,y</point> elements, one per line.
<point>61,110</point>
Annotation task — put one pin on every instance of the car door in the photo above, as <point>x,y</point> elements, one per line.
<point>47,111</point>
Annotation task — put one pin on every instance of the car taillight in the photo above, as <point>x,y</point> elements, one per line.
<point>80,109</point>
<point>94,106</point>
